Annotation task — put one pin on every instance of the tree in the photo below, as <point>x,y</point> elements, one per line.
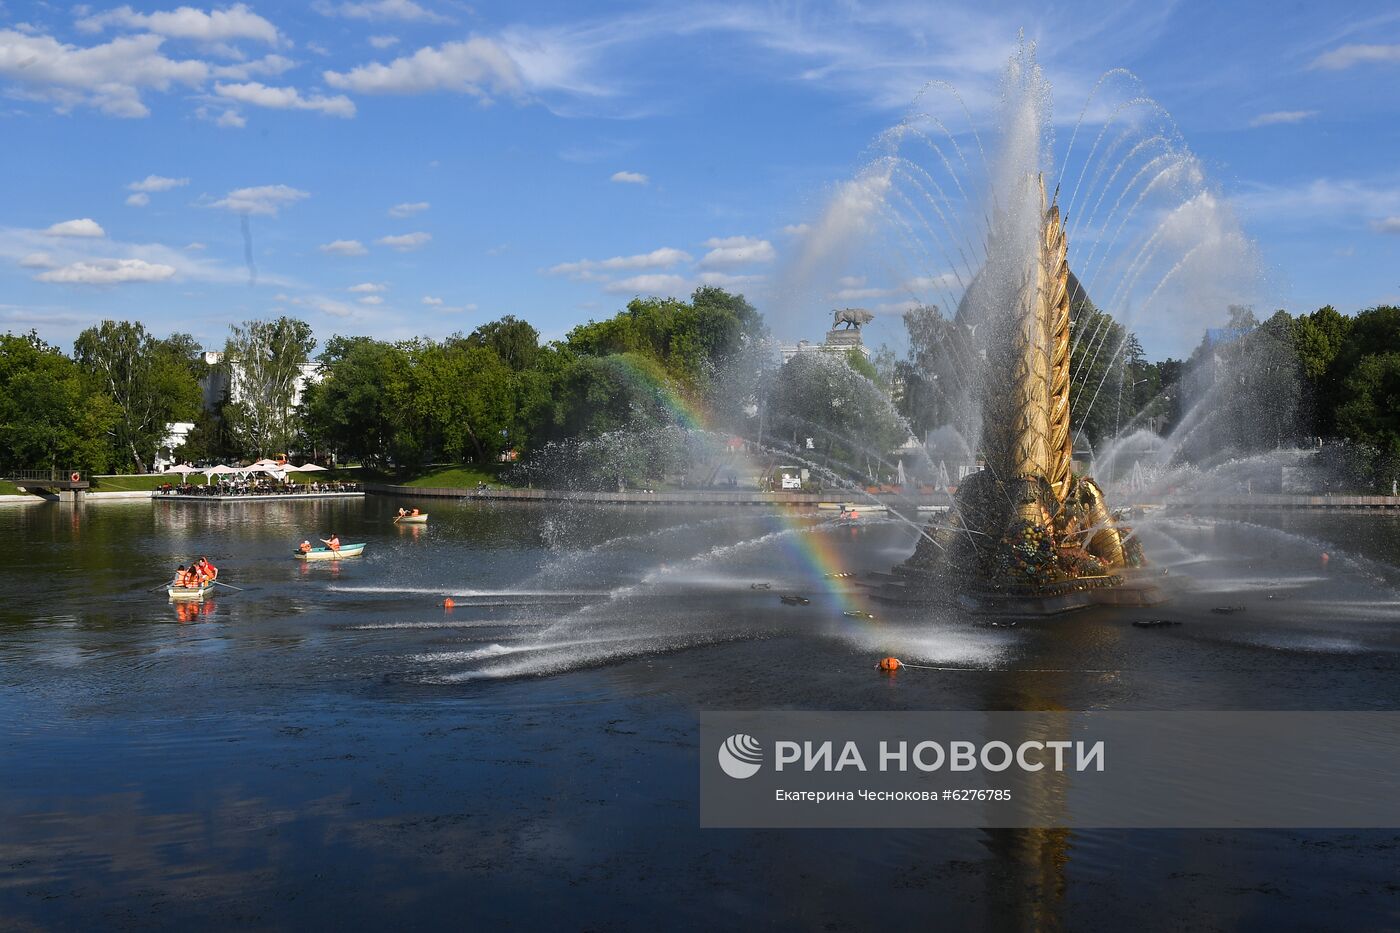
<point>462,395</point>
<point>1369,409</point>
<point>50,415</point>
<point>266,360</point>
<point>1100,349</point>
<point>152,383</point>
<point>514,341</point>
<point>935,380</point>
<point>851,421</point>
<point>358,407</point>
<point>1319,338</point>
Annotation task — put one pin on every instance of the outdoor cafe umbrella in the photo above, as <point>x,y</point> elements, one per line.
<point>219,470</point>
<point>184,469</point>
<point>309,468</point>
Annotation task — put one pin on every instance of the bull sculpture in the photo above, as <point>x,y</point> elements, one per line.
<point>851,317</point>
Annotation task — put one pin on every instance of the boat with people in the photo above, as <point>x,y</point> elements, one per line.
<point>325,553</point>
<point>197,592</point>
<point>411,518</point>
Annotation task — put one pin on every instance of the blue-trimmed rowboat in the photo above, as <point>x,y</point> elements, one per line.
<point>325,553</point>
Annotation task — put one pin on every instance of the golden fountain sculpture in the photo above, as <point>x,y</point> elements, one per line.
<point>1026,527</point>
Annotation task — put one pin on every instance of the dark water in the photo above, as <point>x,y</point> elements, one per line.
<point>333,748</point>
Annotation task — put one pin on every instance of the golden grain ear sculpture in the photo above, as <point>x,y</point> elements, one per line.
<point>1026,528</point>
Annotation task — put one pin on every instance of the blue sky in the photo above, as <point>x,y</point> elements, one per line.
<point>402,167</point>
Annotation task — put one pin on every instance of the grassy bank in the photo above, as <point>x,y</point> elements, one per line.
<point>454,475</point>
<point>9,489</point>
<point>136,483</point>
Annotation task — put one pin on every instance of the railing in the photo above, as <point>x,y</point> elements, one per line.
<point>37,476</point>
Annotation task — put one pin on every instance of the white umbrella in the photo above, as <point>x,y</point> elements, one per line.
<point>184,469</point>
<point>309,468</point>
<point>218,470</point>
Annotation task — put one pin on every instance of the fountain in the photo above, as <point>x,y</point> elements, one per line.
<point>1027,534</point>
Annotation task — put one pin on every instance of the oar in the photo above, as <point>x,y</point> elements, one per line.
<point>229,585</point>
<point>163,586</point>
<point>396,519</point>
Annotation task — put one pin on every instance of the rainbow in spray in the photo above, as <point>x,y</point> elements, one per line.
<point>813,544</point>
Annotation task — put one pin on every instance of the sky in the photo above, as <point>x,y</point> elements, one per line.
<point>419,167</point>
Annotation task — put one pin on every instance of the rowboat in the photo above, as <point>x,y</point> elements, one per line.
<point>325,553</point>
<point>190,593</point>
<point>420,519</point>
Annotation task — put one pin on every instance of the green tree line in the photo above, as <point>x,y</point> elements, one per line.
<point>614,400</point>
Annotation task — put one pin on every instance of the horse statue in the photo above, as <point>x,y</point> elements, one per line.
<point>851,317</point>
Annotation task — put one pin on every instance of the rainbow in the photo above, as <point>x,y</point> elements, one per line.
<point>812,546</point>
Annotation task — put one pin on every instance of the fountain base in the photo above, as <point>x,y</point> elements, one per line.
<point>1125,589</point>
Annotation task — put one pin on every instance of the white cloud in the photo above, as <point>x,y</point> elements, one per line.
<point>368,288</point>
<point>432,301</point>
<point>727,281</point>
<point>266,199</point>
<point>1321,197</point>
<point>737,251</point>
<point>383,42</point>
<point>1282,116</point>
<point>653,284</point>
<point>108,272</point>
<point>267,66</point>
<point>37,261</point>
<point>1348,55</point>
<point>406,242</point>
<point>797,229</point>
<point>408,209</point>
<point>231,119</point>
<point>196,245</point>
<point>476,66</point>
<point>371,300</point>
<point>329,306</point>
<point>343,248</point>
<point>109,77</point>
<point>630,178</point>
<point>85,227</point>
<point>157,183</point>
<point>235,22</point>
<point>1386,225</point>
<point>139,199</point>
<point>285,98</point>
<point>406,10</point>
<point>661,258</point>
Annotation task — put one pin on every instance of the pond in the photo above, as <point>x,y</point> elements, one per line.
<point>331,745</point>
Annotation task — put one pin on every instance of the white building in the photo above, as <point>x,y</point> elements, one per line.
<point>225,381</point>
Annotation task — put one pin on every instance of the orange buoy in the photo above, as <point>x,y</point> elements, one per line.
<point>889,664</point>
<point>1326,557</point>
<point>448,603</point>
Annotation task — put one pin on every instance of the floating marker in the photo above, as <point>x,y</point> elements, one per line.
<point>448,603</point>
<point>889,664</point>
<point>858,614</point>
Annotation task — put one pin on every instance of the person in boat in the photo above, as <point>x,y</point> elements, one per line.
<point>179,576</point>
<point>333,542</point>
<point>403,512</point>
<point>414,512</point>
<point>207,569</point>
<point>305,547</point>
